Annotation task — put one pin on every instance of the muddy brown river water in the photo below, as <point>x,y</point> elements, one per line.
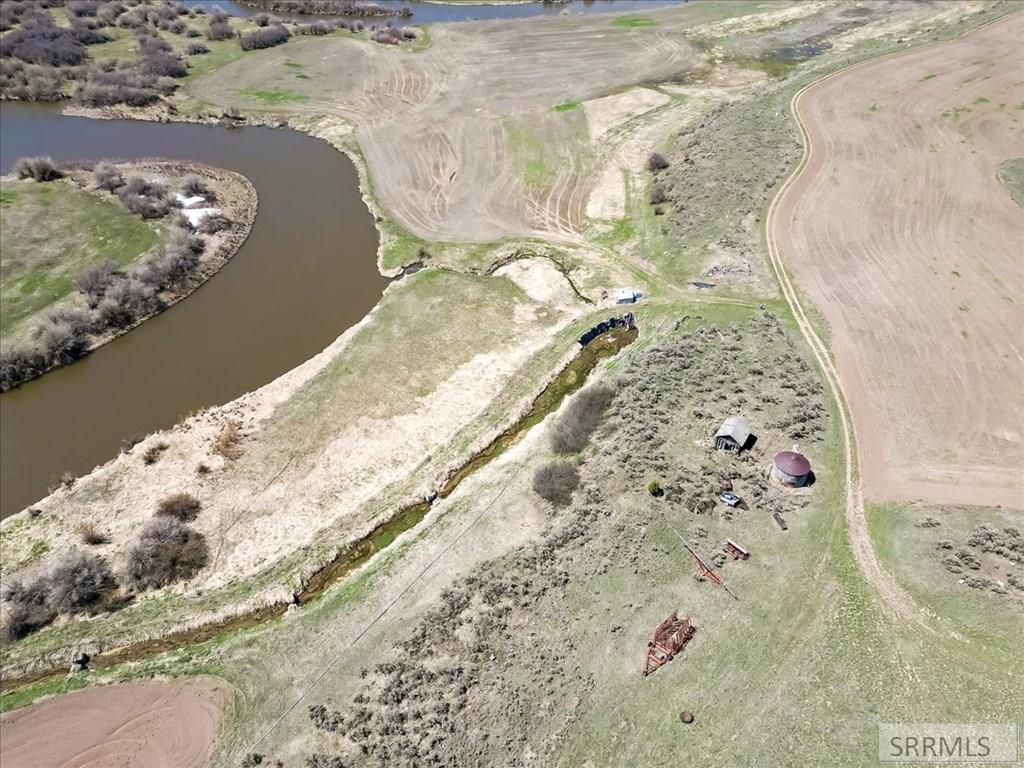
<point>305,274</point>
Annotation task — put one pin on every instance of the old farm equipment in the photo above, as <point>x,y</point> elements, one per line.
<point>734,549</point>
<point>704,570</point>
<point>668,639</point>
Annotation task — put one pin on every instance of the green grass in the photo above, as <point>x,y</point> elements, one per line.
<point>543,145</point>
<point>275,96</point>
<point>633,21</point>
<point>1011,175</point>
<point>565,106</point>
<point>909,552</point>
<point>776,67</point>
<point>48,234</point>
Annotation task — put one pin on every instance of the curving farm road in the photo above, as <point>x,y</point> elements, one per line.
<point>860,220</point>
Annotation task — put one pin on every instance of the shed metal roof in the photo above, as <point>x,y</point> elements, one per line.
<point>736,427</point>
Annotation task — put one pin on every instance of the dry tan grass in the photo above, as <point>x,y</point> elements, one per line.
<point>227,441</point>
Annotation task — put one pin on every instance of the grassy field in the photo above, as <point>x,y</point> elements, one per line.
<point>798,670</point>
<point>52,231</point>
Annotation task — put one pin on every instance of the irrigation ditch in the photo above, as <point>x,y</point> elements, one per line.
<point>570,379</point>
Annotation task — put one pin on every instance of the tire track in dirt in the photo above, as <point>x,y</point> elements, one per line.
<point>896,602</point>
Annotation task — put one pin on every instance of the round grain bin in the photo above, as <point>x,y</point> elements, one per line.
<point>791,468</point>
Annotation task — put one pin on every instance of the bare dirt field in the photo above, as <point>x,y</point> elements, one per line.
<point>141,725</point>
<point>455,136</point>
<point>900,231</point>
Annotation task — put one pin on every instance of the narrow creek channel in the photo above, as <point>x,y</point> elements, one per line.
<point>568,380</point>
<point>305,274</point>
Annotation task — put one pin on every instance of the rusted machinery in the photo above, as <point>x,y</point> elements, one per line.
<point>668,639</point>
<point>704,571</point>
<point>734,549</point>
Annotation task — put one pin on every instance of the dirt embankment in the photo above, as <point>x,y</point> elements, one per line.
<point>901,233</point>
<point>142,725</point>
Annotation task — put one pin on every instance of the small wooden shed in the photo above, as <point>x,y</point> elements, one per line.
<point>733,435</point>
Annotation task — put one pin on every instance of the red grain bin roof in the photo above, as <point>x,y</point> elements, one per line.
<point>792,463</point>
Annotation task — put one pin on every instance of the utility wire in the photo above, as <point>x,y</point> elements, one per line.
<point>384,611</point>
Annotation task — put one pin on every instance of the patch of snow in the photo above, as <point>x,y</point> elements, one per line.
<point>196,215</point>
<point>186,202</point>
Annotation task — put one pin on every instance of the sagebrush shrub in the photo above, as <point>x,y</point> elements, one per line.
<point>37,168</point>
<point>183,506</point>
<point>165,551</point>
<point>555,482</point>
<point>573,428</point>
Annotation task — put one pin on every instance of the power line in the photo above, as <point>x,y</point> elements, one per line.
<point>384,611</point>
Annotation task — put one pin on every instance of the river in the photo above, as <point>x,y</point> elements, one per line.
<point>305,274</point>
<point>430,13</point>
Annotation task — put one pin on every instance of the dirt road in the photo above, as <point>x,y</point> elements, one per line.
<point>898,229</point>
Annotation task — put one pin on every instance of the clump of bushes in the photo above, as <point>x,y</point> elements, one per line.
<point>658,194</point>
<point>196,185</point>
<point>219,29</point>
<point>388,35</point>
<point>61,338</point>
<point>227,442</point>
<point>165,551</point>
<point>37,168</point>
<point>267,37</point>
<point>328,7</point>
<point>82,8</point>
<point>183,506</point>
<point>154,452</point>
<point>120,86</point>
<point>42,42</point>
<point>91,535</point>
<point>94,281</point>
<point>126,301</point>
<point>195,48</point>
<point>75,582</point>
<point>555,482</point>
<point>581,417</point>
<point>657,162</point>
<point>107,177</point>
<point>17,366</point>
<point>136,83</point>
<point>158,58</point>
<point>214,223</point>
<point>144,198</point>
<point>316,28</point>
<point>319,760</point>
<point>30,82</point>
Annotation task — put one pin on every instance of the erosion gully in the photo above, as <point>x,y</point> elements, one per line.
<point>567,381</point>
